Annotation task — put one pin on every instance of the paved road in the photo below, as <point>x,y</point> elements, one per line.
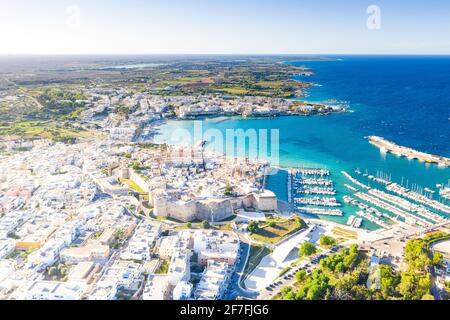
<point>40,106</point>
<point>234,289</point>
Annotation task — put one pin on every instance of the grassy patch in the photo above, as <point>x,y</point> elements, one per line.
<point>270,84</point>
<point>435,237</point>
<point>276,229</point>
<point>163,268</point>
<point>42,130</point>
<point>349,234</point>
<point>198,225</point>
<point>284,271</point>
<point>257,253</point>
<point>132,185</point>
<point>234,91</point>
<point>14,254</point>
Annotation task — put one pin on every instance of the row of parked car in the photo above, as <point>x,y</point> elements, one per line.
<point>307,267</point>
<point>289,276</point>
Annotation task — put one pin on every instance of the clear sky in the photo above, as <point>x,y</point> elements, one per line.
<point>224,26</point>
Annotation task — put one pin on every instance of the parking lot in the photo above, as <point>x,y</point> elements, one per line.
<point>282,257</point>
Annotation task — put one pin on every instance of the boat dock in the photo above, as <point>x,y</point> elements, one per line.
<point>404,192</point>
<point>311,191</point>
<point>356,182</point>
<point>388,146</point>
<point>354,222</point>
<point>321,212</point>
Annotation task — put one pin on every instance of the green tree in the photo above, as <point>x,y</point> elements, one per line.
<point>289,296</point>
<point>136,166</point>
<point>340,267</point>
<point>288,293</point>
<point>327,241</point>
<point>315,292</point>
<point>353,249</point>
<point>300,224</point>
<point>189,225</point>
<point>253,227</point>
<point>307,249</point>
<point>389,281</point>
<point>228,190</point>
<point>271,223</point>
<point>301,275</point>
<point>361,292</point>
<point>414,286</point>
<point>63,271</point>
<point>416,256</point>
<point>206,225</point>
<point>119,234</point>
<point>286,290</point>
<point>437,259</point>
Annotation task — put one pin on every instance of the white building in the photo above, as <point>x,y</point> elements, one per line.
<point>45,256</point>
<point>6,247</point>
<point>214,281</point>
<point>49,290</point>
<point>156,288</point>
<point>182,291</point>
<point>142,242</point>
<point>122,275</point>
<point>103,293</point>
<point>82,273</point>
<point>169,246</point>
<point>217,246</point>
<point>179,268</point>
<point>7,267</point>
<point>90,252</point>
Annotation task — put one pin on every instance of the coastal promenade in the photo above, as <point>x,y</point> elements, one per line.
<point>401,151</point>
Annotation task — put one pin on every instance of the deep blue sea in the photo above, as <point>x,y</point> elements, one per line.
<point>405,99</point>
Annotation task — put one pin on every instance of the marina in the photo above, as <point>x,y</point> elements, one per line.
<point>318,201</point>
<point>350,187</point>
<point>396,188</point>
<point>373,219</point>
<point>395,203</point>
<point>309,189</point>
<point>445,193</point>
<point>321,212</point>
<point>354,222</point>
<point>410,219</point>
<point>356,182</point>
<point>314,172</point>
<point>369,213</point>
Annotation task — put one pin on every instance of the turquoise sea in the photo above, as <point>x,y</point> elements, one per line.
<point>405,99</point>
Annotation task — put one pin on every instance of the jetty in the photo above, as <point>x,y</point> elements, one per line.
<point>321,211</point>
<point>354,222</point>
<point>356,182</point>
<point>388,146</point>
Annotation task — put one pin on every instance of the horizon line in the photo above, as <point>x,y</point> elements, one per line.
<point>224,54</point>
